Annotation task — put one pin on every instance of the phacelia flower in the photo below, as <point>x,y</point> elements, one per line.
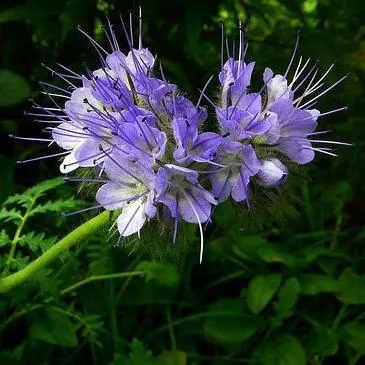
<point>136,133</point>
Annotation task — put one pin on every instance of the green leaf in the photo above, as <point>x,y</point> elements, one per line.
<point>257,248</point>
<point>120,360</point>
<point>313,284</point>
<point>283,350</point>
<point>34,192</point>
<point>351,288</point>
<point>228,324</point>
<point>4,239</point>
<point>261,290</point>
<point>54,327</point>
<point>287,297</point>
<point>37,242</point>
<point>10,215</point>
<point>354,335</point>
<point>93,325</point>
<point>322,342</point>
<point>140,355</point>
<point>172,358</point>
<point>13,88</point>
<point>56,206</point>
<point>165,273</point>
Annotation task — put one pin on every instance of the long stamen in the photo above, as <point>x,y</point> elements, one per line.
<point>30,139</point>
<point>222,44</point>
<point>322,150</point>
<point>324,92</point>
<point>120,166</point>
<point>199,223</point>
<point>140,28</point>
<point>43,157</point>
<point>204,88</point>
<point>293,54</point>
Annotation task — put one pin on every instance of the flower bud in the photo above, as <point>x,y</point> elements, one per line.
<point>272,172</point>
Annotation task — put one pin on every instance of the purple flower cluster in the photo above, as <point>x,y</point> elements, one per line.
<point>142,139</point>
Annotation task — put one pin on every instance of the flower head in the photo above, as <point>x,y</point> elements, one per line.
<point>138,135</point>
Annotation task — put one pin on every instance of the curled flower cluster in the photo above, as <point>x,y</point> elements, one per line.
<point>144,142</point>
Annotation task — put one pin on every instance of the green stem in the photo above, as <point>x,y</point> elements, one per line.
<point>171,330</point>
<point>100,277</point>
<point>53,253</point>
<point>16,238</point>
<point>339,316</point>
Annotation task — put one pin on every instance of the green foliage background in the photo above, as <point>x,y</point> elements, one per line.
<point>283,284</point>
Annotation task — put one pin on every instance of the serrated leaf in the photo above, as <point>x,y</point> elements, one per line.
<point>54,327</point>
<point>93,325</point>
<point>34,192</point>
<point>37,241</point>
<point>228,324</point>
<point>13,88</point>
<point>261,290</point>
<point>4,239</point>
<point>19,262</point>
<point>354,335</point>
<point>10,215</point>
<point>283,350</point>
<point>163,273</point>
<point>140,355</point>
<point>287,297</point>
<point>44,186</point>
<point>351,288</point>
<point>60,206</point>
<point>313,284</point>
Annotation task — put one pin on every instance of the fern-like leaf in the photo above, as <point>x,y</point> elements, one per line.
<point>37,241</point>
<point>4,239</point>
<point>10,215</point>
<point>56,206</point>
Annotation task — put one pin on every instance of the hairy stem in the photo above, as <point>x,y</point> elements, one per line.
<point>53,253</point>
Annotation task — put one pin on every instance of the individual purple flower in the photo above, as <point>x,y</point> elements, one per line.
<point>142,137</point>
<point>240,163</point>
<point>244,121</point>
<point>192,146</point>
<point>131,189</point>
<point>295,126</point>
<point>235,77</point>
<point>137,63</point>
<point>111,92</point>
<point>276,88</point>
<point>179,190</point>
<point>272,172</point>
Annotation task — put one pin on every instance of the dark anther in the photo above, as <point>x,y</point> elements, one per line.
<point>85,100</point>
<point>101,148</point>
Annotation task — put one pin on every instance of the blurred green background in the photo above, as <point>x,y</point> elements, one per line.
<point>284,285</point>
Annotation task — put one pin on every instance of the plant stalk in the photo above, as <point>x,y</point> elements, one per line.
<point>12,281</point>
